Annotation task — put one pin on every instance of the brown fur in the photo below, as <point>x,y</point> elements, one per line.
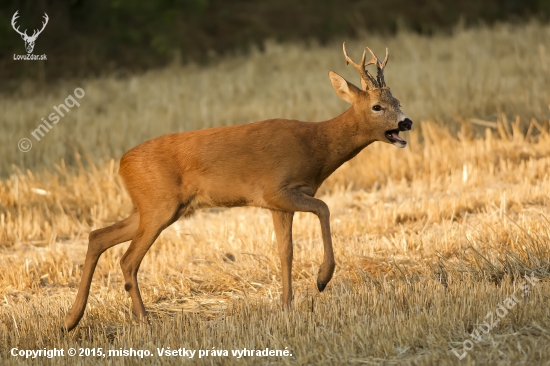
<point>274,164</point>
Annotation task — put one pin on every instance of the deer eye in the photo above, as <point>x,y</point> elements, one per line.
<point>376,108</point>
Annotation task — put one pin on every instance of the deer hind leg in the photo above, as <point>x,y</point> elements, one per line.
<point>151,224</point>
<point>293,200</point>
<point>99,241</point>
<point>282,221</point>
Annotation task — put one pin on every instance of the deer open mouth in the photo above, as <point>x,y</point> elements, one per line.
<point>393,137</point>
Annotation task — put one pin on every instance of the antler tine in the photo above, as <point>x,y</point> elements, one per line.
<point>386,58</point>
<point>380,67</point>
<point>367,80</point>
<point>13,19</point>
<point>43,24</point>
<point>374,60</point>
<point>360,68</point>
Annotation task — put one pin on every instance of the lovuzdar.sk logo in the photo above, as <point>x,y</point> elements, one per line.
<point>29,40</point>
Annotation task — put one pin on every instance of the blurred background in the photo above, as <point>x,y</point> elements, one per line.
<point>87,38</point>
<point>155,67</point>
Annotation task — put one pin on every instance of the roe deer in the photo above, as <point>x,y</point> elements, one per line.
<point>275,164</point>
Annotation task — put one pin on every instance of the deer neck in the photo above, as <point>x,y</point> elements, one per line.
<point>345,137</point>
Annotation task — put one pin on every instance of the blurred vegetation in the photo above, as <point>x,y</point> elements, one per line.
<point>478,78</point>
<point>85,38</point>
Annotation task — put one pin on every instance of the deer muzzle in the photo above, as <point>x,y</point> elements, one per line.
<point>405,125</point>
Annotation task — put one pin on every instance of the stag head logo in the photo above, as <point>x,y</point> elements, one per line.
<point>29,40</point>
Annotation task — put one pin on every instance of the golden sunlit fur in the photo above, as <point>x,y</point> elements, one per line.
<point>274,164</point>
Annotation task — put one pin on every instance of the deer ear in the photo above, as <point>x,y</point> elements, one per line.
<point>345,90</point>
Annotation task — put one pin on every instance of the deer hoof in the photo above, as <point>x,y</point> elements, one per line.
<point>321,286</point>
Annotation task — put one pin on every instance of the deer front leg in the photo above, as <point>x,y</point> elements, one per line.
<point>292,200</point>
<point>327,267</point>
<point>282,221</point>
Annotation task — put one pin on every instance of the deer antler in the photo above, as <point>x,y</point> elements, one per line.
<point>380,67</point>
<point>15,16</point>
<point>24,34</point>
<point>37,32</point>
<point>367,80</point>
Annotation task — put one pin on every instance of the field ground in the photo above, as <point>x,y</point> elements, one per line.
<point>431,241</point>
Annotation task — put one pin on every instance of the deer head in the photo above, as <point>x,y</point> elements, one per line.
<point>29,40</point>
<point>374,104</point>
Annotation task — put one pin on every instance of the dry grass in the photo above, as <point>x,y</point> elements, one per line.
<point>428,239</point>
<point>475,74</point>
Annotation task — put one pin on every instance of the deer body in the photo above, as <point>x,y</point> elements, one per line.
<point>204,168</point>
<point>274,164</point>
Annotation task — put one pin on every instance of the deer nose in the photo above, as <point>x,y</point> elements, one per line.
<point>405,125</point>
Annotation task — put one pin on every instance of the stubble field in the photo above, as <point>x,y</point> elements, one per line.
<point>433,243</point>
